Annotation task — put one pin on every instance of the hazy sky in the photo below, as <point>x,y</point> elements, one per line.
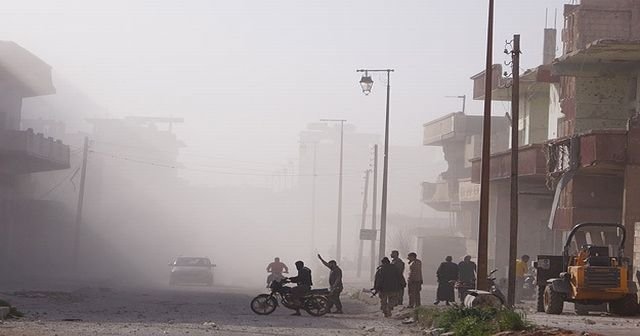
<point>247,76</point>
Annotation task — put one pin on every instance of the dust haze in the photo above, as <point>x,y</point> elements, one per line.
<point>204,132</point>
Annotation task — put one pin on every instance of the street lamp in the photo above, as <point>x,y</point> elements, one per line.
<point>367,84</point>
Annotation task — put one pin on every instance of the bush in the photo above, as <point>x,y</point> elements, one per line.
<point>426,316</point>
<point>472,321</point>
<point>511,320</point>
<point>472,326</point>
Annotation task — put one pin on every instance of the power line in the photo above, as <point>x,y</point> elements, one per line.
<point>169,166</point>
<point>181,153</point>
<point>57,185</point>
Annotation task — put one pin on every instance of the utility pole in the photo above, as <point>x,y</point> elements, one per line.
<point>515,144</point>
<point>364,218</point>
<point>483,220</point>
<point>374,210</point>
<point>83,175</point>
<point>313,198</point>
<point>339,233</point>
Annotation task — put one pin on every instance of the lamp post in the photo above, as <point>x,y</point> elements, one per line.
<point>339,233</point>
<point>366,82</point>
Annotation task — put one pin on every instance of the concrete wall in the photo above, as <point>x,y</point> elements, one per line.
<point>535,115</point>
<point>10,107</point>
<point>603,102</point>
<point>600,19</point>
<point>555,113</point>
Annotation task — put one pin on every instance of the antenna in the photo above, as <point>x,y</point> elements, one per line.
<point>546,17</point>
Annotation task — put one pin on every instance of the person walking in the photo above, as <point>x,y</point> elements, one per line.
<point>387,283</point>
<point>466,277</point>
<point>447,275</point>
<point>398,263</point>
<point>335,284</point>
<point>414,280</point>
<point>522,268</point>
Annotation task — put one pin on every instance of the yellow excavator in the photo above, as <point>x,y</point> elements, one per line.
<point>594,272</point>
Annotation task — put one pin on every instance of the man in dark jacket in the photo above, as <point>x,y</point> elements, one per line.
<point>304,283</point>
<point>388,281</point>
<point>397,262</point>
<point>447,275</point>
<point>466,276</point>
<point>335,284</point>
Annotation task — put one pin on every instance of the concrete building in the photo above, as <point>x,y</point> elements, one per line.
<point>31,228</point>
<point>585,169</point>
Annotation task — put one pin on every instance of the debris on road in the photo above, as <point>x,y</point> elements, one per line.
<point>210,324</point>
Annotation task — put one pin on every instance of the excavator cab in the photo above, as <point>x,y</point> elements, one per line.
<point>594,272</point>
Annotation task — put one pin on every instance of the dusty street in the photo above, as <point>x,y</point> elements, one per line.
<point>178,311</point>
<point>603,324</point>
<point>225,311</point>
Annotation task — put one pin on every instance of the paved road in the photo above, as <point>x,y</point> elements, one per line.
<point>178,311</point>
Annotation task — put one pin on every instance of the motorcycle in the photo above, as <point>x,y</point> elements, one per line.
<point>314,302</point>
<point>494,297</point>
<point>463,289</point>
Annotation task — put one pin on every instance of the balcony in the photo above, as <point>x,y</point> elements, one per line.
<point>24,152</point>
<point>451,127</point>
<point>532,164</point>
<point>437,195</point>
<point>598,151</point>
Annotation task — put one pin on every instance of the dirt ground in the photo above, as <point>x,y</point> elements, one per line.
<point>178,311</point>
<point>225,311</point>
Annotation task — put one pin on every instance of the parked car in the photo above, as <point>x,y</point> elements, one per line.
<point>191,271</point>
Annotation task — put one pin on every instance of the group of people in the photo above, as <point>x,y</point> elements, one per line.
<point>464,275</point>
<point>304,281</point>
<point>450,273</point>
<point>390,283</point>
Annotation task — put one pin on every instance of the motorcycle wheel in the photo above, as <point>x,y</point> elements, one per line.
<point>316,305</point>
<point>264,304</point>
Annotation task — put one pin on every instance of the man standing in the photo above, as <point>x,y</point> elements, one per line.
<point>467,276</point>
<point>522,268</point>
<point>398,263</point>
<point>304,283</point>
<point>447,275</point>
<point>388,282</point>
<point>335,284</point>
<point>276,268</point>
<point>414,280</point>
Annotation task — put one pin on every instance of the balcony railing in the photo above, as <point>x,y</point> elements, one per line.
<point>532,162</point>
<point>24,152</point>
<point>604,149</point>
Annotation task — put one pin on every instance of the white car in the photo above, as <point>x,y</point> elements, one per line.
<point>192,271</point>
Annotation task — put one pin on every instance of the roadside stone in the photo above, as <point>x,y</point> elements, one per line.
<point>210,324</point>
<point>409,320</point>
<point>589,321</point>
<point>451,333</point>
<point>4,312</point>
<point>433,332</point>
<point>372,329</point>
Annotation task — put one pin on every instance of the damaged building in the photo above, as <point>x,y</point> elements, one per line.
<point>33,231</point>
<point>578,136</point>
